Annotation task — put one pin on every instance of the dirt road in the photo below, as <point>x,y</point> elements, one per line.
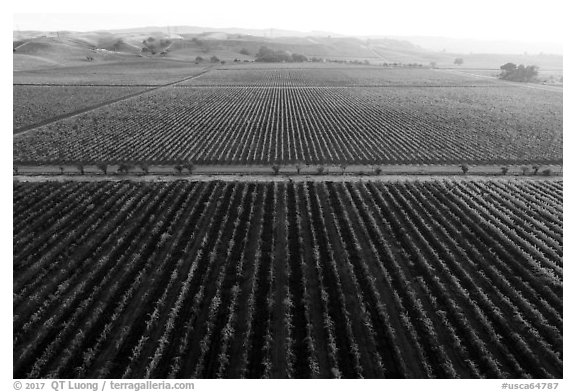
<point>266,173</point>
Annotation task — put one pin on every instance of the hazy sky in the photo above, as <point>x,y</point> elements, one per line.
<point>515,20</point>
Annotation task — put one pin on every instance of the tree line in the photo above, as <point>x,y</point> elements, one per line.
<point>267,55</point>
<point>519,73</point>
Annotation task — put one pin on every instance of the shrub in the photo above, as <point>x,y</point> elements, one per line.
<point>103,167</point>
<point>145,168</point>
<point>190,167</point>
<point>298,167</point>
<point>124,168</point>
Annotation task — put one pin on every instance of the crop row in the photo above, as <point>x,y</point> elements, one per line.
<point>138,72</point>
<point>34,104</point>
<point>223,279</point>
<point>309,125</point>
<point>334,77</point>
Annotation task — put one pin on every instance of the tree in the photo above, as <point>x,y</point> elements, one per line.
<point>524,170</point>
<point>149,45</point>
<point>189,166</point>
<point>520,73</point>
<point>276,169</point>
<point>214,59</point>
<point>535,168</point>
<point>299,58</point>
<point>464,168</point>
<point>298,167</point>
<point>179,168</point>
<point>268,55</point>
<point>103,167</point>
<point>245,52</point>
<point>531,73</point>
<point>265,54</point>
<point>145,168</point>
<point>504,170</point>
<point>343,167</point>
<point>117,44</point>
<point>547,172</point>
<point>508,67</point>
<point>459,61</point>
<point>377,170</point>
<point>320,170</point>
<point>80,167</point>
<point>199,59</point>
<point>124,168</point>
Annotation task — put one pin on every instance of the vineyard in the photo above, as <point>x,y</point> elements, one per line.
<point>251,124</point>
<point>406,279</point>
<point>126,73</point>
<point>34,104</point>
<point>333,76</point>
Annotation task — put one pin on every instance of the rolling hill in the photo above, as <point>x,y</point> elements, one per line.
<point>37,50</point>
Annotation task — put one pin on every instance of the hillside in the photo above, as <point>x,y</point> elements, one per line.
<point>37,50</point>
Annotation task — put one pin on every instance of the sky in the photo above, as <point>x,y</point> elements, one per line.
<point>511,20</point>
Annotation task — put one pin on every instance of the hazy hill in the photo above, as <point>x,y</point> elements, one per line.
<point>269,33</point>
<point>37,49</point>
<point>471,46</point>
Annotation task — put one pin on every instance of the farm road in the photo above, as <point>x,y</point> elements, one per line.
<point>272,178</point>
<point>265,173</point>
<point>29,128</point>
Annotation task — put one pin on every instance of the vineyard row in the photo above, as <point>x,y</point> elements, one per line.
<point>436,279</point>
<point>308,125</point>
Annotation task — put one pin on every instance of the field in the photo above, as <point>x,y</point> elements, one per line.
<point>315,116</point>
<point>126,73</point>
<point>34,104</point>
<point>265,75</point>
<point>152,240</point>
<point>291,279</point>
